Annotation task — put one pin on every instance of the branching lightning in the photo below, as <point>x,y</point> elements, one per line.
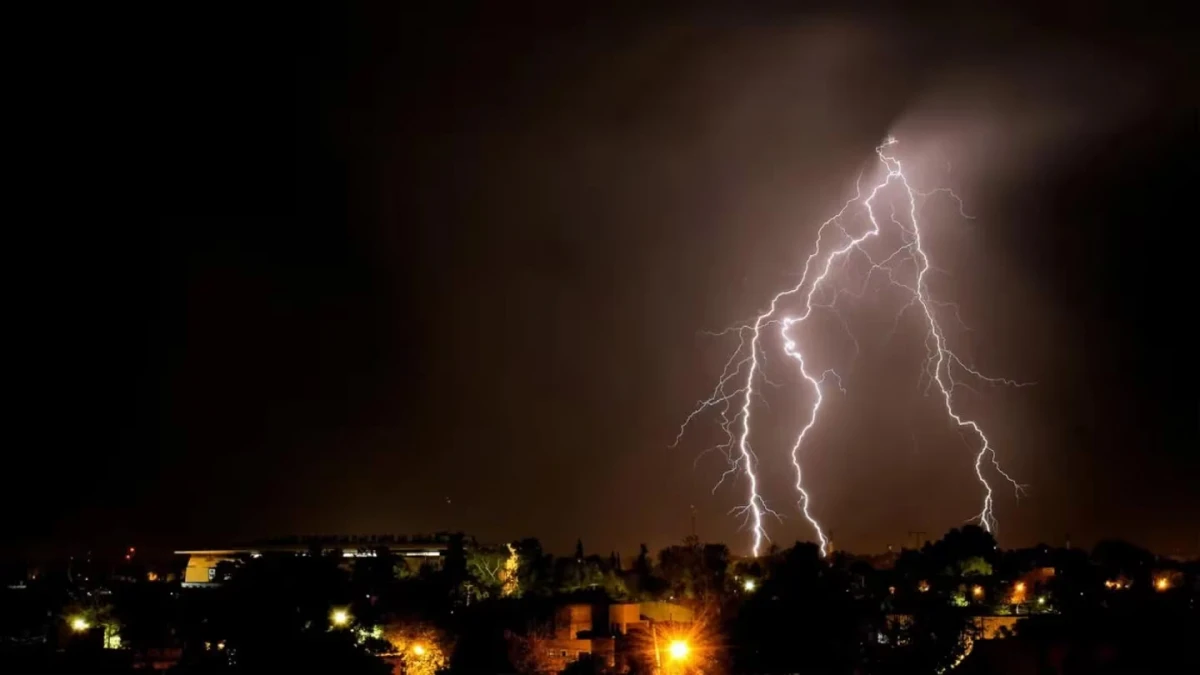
<point>735,392</point>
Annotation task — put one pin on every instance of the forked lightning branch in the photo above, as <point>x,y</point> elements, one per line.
<point>854,231</point>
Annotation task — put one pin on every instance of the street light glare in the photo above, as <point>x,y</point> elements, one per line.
<point>678,650</point>
<point>749,585</point>
<point>79,624</point>
<point>340,617</point>
<point>419,650</point>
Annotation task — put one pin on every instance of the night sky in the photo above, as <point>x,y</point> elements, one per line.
<point>407,270</point>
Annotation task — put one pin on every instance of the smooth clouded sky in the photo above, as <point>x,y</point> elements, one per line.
<point>383,271</point>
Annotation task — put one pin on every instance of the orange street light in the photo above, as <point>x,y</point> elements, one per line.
<point>678,650</point>
<point>1161,584</point>
<point>419,650</point>
<point>977,591</point>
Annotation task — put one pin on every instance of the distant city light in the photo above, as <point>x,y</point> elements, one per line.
<point>1162,584</point>
<point>749,585</point>
<point>923,586</point>
<point>1020,587</point>
<point>678,650</point>
<point>977,591</point>
<point>1041,600</point>
<point>79,624</point>
<point>340,617</point>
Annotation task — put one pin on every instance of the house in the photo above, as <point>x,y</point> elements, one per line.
<point>605,632</point>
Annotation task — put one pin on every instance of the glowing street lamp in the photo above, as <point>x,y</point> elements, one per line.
<point>678,650</point>
<point>749,586</point>
<point>79,624</point>
<point>418,649</point>
<point>977,591</point>
<point>1161,584</point>
<point>339,617</point>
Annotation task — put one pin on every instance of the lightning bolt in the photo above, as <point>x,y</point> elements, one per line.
<point>735,390</point>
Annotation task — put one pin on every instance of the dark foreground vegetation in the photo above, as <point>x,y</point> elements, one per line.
<point>958,603</point>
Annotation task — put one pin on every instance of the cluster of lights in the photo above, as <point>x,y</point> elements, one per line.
<point>1160,584</point>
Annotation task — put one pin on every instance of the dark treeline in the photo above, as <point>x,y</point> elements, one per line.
<point>1114,609</point>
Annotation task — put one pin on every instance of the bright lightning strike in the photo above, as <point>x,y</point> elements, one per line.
<point>735,391</point>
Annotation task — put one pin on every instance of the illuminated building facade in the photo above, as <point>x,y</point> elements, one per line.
<point>415,552</point>
<point>605,632</point>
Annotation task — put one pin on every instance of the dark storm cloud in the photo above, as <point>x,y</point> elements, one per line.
<point>450,271</point>
<point>662,180</point>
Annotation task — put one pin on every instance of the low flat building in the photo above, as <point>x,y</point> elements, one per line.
<point>416,552</point>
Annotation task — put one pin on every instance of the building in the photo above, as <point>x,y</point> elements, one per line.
<point>605,632</point>
<point>416,552</point>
